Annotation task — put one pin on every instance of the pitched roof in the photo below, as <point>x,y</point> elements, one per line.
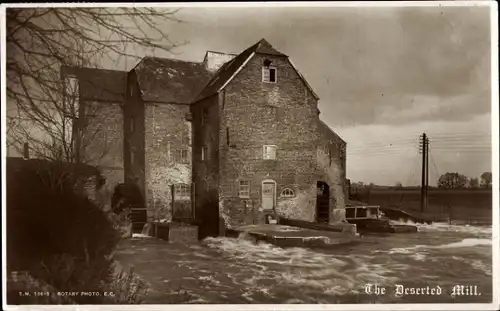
<point>325,129</point>
<point>98,84</point>
<point>170,80</point>
<point>229,69</point>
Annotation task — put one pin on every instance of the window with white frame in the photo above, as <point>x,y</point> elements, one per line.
<point>287,193</point>
<point>268,72</point>
<point>204,153</point>
<point>182,192</point>
<point>269,152</point>
<point>244,189</point>
<point>181,156</point>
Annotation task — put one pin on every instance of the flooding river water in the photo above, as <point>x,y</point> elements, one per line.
<point>424,266</point>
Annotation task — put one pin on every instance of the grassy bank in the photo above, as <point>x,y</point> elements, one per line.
<point>461,204</point>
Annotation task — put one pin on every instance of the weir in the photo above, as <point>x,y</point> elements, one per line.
<point>291,236</point>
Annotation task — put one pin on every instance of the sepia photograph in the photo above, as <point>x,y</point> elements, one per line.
<point>267,154</point>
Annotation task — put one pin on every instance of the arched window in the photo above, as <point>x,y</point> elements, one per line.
<point>287,193</point>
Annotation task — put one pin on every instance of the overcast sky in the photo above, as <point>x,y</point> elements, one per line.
<point>383,75</point>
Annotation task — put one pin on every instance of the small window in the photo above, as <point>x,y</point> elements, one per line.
<point>131,157</point>
<point>269,152</point>
<point>182,192</point>
<point>269,74</point>
<point>244,189</point>
<point>361,212</point>
<point>132,125</point>
<point>181,156</point>
<point>287,193</point>
<point>349,212</point>
<point>184,139</point>
<point>204,116</point>
<point>204,153</point>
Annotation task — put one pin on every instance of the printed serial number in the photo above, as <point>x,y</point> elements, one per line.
<point>36,294</point>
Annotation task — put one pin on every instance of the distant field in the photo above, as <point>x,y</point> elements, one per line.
<point>463,204</point>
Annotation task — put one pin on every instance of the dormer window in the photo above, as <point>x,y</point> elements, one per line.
<point>268,72</point>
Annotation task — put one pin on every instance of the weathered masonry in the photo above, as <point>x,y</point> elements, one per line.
<point>238,135</point>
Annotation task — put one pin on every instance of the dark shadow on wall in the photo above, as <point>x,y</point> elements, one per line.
<point>208,218</point>
<point>323,203</point>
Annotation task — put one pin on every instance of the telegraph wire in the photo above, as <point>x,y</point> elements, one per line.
<point>434,165</point>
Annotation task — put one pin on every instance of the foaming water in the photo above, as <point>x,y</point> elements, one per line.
<point>240,270</point>
<point>304,268</point>
<point>271,272</point>
<point>466,243</point>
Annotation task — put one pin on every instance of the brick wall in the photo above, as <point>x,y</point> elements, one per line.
<point>254,114</point>
<point>167,132</point>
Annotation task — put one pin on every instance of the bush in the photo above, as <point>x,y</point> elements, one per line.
<point>127,288</point>
<point>58,236</point>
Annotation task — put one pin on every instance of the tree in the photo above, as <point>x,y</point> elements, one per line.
<point>473,183</point>
<point>398,185</point>
<point>452,181</point>
<point>40,41</point>
<point>486,179</point>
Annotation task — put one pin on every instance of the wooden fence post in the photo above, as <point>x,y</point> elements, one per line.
<point>449,214</point>
<point>172,203</point>
<point>155,221</point>
<point>193,200</point>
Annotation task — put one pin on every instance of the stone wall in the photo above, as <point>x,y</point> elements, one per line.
<point>102,144</point>
<point>333,174</point>
<point>254,114</point>
<point>167,133</point>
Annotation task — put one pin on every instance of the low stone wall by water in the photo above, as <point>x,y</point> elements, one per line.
<point>173,232</point>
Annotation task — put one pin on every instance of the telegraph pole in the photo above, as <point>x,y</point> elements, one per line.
<point>424,145</point>
<point>426,172</point>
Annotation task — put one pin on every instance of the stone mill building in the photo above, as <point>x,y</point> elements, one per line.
<point>238,136</point>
